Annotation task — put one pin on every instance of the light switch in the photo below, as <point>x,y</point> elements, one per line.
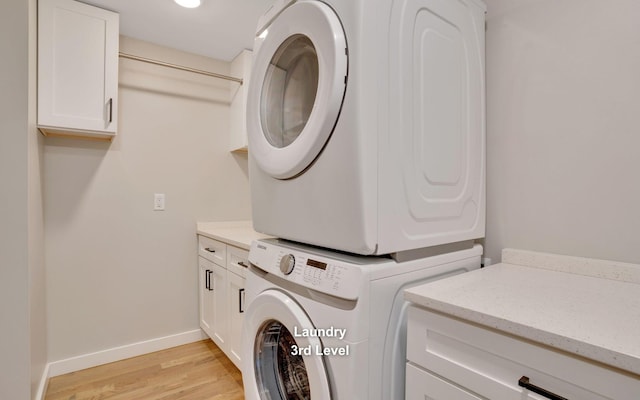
<point>158,202</point>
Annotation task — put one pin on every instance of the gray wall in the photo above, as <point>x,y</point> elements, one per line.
<point>22,283</point>
<point>117,271</point>
<point>563,135</point>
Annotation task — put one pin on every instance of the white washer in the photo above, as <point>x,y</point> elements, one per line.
<point>366,123</point>
<point>294,289</point>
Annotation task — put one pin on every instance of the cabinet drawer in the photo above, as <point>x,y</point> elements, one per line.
<point>237,261</point>
<point>212,250</point>
<point>490,363</point>
<point>422,385</point>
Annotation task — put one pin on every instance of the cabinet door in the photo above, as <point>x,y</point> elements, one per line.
<point>236,316</point>
<point>77,69</point>
<point>206,296</point>
<point>421,385</point>
<point>220,318</point>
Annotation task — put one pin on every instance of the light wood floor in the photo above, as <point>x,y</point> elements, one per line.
<point>196,371</point>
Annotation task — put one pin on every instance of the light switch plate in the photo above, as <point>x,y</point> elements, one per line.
<point>158,202</point>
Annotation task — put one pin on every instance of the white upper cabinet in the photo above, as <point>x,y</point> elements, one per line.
<point>241,68</point>
<point>77,69</point>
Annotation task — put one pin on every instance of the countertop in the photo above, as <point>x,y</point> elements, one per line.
<point>583,306</point>
<point>235,233</point>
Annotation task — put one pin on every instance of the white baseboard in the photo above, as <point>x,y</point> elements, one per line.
<point>84,361</point>
<point>42,386</point>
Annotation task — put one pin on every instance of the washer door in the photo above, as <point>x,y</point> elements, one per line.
<point>296,88</point>
<point>272,368</point>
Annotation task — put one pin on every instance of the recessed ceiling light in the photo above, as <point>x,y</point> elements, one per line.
<point>188,3</point>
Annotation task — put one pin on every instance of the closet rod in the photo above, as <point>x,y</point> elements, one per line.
<point>180,67</point>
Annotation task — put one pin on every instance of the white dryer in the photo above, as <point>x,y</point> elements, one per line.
<point>366,123</point>
<point>323,325</point>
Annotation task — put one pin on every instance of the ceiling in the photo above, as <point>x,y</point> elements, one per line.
<point>218,29</point>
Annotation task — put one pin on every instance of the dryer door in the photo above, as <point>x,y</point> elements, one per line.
<point>296,88</point>
<point>275,365</point>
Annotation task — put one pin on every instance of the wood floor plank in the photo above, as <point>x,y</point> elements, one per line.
<point>195,371</point>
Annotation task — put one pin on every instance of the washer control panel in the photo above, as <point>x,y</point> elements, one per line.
<point>335,277</point>
<point>287,264</point>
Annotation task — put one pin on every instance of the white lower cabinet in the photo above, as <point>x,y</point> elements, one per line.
<point>222,279</point>
<point>206,295</point>
<point>236,309</point>
<point>213,297</point>
<point>219,328</point>
<point>449,358</point>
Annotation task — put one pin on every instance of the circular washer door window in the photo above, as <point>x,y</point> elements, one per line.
<point>296,88</point>
<point>279,370</point>
<point>274,365</point>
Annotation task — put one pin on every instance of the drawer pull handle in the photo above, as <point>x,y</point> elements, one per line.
<point>524,382</point>
<point>207,281</point>
<point>243,264</point>
<point>210,285</point>
<point>210,250</point>
<point>241,301</point>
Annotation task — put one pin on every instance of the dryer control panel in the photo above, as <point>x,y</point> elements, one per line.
<point>324,274</point>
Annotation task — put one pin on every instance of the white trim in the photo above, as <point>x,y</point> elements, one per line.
<point>44,382</point>
<point>84,361</point>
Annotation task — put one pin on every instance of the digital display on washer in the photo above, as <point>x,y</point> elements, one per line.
<point>316,264</point>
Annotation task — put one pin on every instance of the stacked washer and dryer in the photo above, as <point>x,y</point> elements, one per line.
<point>367,159</point>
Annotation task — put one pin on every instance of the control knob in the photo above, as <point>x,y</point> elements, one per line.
<point>287,263</point>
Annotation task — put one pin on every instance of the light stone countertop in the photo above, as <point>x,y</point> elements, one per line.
<point>235,233</point>
<point>583,306</point>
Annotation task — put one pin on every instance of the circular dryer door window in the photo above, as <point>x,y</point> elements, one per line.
<point>289,91</point>
<point>296,88</point>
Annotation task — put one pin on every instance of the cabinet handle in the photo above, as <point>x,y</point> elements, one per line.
<point>207,283</point>
<point>110,109</point>
<point>524,382</point>
<point>209,276</point>
<point>241,301</point>
<point>210,250</point>
<point>243,264</point>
